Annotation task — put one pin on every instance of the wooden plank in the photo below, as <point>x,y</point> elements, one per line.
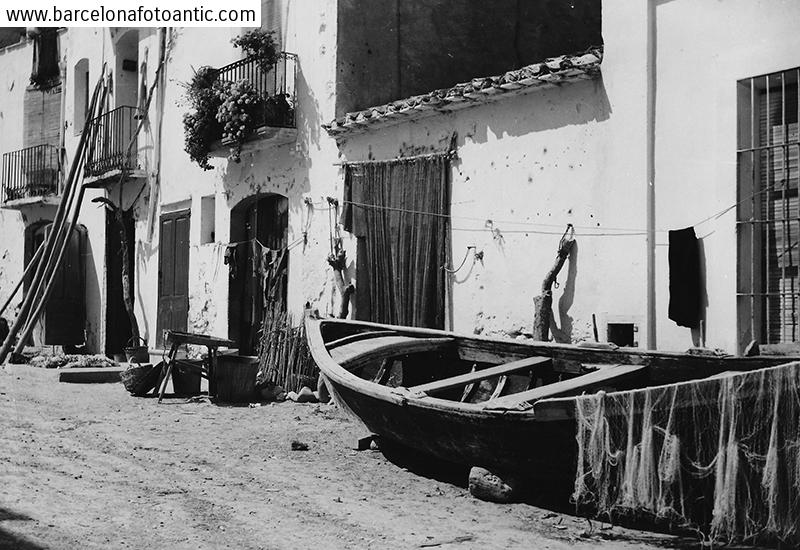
<point>363,352</point>
<point>198,339</point>
<point>483,374</point>
<point>573,385</point>
<point>780,350</point>
<point>87,375</point>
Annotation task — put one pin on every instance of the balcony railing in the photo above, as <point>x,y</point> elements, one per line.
<point>275,84</point>
<point>110,136</point>
<point>31,172</point>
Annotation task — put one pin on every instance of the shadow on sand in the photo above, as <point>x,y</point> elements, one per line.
<point>9,540</point>
<point>554,495</point>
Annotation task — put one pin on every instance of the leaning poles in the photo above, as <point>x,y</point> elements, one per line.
<point>31,265</point>
<point>64,235</point>
<point>43,267</point>
<point>48,288</point>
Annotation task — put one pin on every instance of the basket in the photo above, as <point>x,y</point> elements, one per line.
<point>139,379</point>
<point>137,354</point>
<point>235,378</point>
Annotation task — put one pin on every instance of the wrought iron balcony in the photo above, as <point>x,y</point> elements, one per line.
<point>109,139</point>
<point>31,172</point>
<point>275,84</point>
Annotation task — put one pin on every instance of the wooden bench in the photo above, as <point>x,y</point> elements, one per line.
<point>478,375</point>
<point>611,373</point>
<point>206,369</point>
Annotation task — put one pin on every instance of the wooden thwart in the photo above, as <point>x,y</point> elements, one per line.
<point>363,352</point>
<point>476,376</point>
<point>356,337</point>
<point>573,385</point>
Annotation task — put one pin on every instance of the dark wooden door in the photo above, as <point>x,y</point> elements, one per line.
<point>118,325</point>
<point>173,274</point>
<point>65,314</point>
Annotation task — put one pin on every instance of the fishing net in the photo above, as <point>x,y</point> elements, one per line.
<point>720,454</point>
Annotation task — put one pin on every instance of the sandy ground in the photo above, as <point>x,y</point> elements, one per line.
<point>88,466</point>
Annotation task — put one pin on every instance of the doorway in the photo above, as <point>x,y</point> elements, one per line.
<point>118,324</point>
<point>126,70</point>
<point>64,318</point>
<point>258,272</point>
<point>173,274</point>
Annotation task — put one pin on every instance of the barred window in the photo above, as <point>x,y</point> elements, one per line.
<point>768,220</point>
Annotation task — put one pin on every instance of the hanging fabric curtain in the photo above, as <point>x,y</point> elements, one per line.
<point>399,212</point>
<point>45,73</point>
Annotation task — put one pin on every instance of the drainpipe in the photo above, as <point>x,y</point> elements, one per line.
<point>155,175</point>
<point>62,121</point>
<point>650,214</point>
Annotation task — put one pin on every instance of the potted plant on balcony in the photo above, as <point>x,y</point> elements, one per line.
<point>259,43</point>
<point>238,114</point>
<point>200,125</point>
<point>229,109</point>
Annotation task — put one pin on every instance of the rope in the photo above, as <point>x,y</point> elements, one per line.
<point>456,270</point>
<point>594,231</point>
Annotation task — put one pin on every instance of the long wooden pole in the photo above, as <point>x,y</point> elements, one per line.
<point>46,284</point>
<point>50,241</point>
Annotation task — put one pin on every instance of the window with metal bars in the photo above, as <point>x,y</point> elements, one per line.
<point>768,220</point>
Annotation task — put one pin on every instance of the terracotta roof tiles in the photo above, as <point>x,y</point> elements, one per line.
<point>551,72</point>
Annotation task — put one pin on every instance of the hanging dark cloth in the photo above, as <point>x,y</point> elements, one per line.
<point>399,275</point>
<point>45,73</point>
<point>685,280</point>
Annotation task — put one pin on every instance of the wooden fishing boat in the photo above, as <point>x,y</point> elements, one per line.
<point>502,405</point>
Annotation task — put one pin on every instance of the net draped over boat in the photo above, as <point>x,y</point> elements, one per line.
<point>719,454</point>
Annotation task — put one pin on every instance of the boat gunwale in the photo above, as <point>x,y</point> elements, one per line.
<point>540,410</point>
<point>338,374</point>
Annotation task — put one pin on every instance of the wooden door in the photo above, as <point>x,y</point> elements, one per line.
<point>173,274</point>
<point>65,314</point>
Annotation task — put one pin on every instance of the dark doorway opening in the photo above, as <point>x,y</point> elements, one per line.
<point>260,227</point>
<point>118,325</point>
<point>173,274</point>
<point>65,314</point>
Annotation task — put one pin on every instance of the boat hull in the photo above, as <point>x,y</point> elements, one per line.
<point>536,441</point>
<point>513,442</point>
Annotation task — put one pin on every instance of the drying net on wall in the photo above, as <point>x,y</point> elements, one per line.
<point>720,454</point>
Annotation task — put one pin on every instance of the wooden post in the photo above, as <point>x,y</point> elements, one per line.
<point>543,304</point>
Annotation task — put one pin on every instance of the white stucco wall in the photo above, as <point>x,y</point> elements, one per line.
<point>16,63</point>
<point>285,169</point>
<point>532,164</point>
<point>703,48</point>
<point>97,46</point>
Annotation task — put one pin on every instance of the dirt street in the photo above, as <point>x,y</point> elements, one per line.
<point>88,466</point>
